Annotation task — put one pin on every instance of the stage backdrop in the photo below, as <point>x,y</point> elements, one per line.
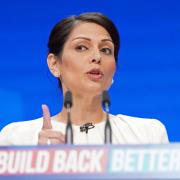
<point>147,82</point>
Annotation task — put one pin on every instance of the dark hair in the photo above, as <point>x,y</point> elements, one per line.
<point>62,30</point>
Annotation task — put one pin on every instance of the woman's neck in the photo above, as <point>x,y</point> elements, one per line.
<point>84,110</point>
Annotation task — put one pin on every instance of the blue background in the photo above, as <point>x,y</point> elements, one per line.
<point>147,82</point>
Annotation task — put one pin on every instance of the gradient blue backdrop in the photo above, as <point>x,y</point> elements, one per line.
<point>147,82</point>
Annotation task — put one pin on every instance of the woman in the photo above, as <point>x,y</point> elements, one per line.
<point>83,53</point>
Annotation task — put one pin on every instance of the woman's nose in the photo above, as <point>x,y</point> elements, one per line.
<point>96,57</point>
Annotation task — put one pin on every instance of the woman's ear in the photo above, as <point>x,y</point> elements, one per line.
<point>53,64</point>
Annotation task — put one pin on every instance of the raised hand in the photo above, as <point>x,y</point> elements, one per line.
<point>47,135</point>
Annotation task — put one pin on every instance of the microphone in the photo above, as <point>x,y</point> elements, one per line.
<point>68,100</point>
<point>106,100</point>
<point>69,131</point>
<point>107,130</point>
<point>86,127</point>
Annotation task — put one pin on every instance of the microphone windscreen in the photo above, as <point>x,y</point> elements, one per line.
<point>68,99</point>
<point>105,98</point>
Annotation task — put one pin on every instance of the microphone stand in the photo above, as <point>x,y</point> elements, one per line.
<point>69,130</point>
<point>107,130</point>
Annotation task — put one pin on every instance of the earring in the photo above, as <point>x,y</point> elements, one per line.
<point>112,81</point>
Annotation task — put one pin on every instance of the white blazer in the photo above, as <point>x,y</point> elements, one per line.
<point>125,130</point>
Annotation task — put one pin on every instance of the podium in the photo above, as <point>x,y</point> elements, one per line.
<point>90,162</point>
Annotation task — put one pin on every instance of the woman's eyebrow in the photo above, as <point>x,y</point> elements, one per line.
<point>107,40</point>
<point>88,39</point>
<point>81,38</point>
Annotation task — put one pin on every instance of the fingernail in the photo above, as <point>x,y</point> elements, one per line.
<point>43,105</point>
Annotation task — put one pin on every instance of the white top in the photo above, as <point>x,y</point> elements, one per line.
<point>125,130</point>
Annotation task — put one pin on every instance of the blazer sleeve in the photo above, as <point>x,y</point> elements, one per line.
<point>6,135</point>
<point>159,132</point>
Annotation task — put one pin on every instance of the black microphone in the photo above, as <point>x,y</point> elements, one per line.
<point>69,131</point>
<point>106,100</point>
<point>107,130</point>
<point>68,100</point>
<point>86,127</point>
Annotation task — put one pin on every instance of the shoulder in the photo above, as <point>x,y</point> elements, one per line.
<point>140,122</point>
<point>151,129</point>
<point>23,125</point>
<point>16,132</point>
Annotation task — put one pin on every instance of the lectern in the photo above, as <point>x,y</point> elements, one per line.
<point>90,162</point>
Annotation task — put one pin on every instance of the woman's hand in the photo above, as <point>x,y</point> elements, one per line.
<point>47,135</point>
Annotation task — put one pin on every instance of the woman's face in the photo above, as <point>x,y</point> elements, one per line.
<point>87,62</point>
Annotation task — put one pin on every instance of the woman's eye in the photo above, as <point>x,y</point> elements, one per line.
<point>107,51</point>
<point>81,48</point>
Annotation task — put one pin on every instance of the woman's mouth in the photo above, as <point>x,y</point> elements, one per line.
<point>95,74</point>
